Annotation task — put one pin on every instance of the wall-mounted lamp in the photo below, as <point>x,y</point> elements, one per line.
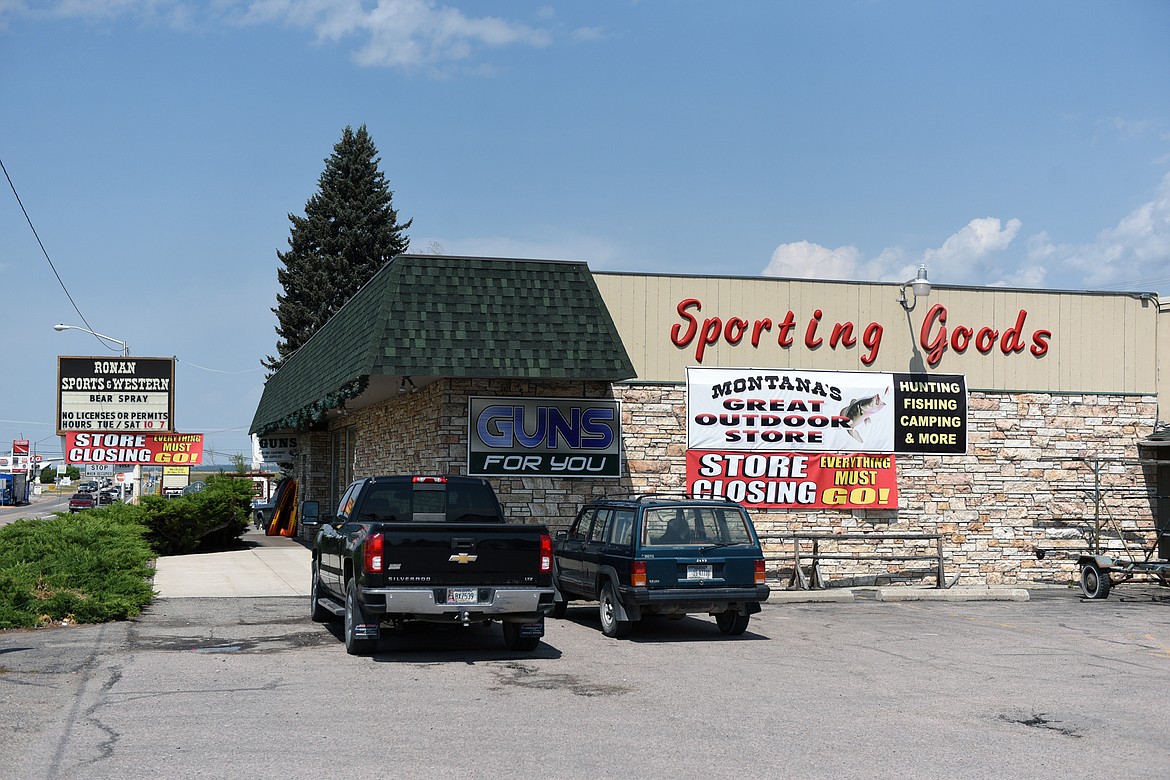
<point>405,384</point>
<point>919,285</point>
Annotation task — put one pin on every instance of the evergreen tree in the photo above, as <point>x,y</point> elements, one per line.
<point>349,231</point>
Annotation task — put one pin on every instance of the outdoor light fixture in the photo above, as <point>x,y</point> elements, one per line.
<point>919,285</point>
<point>123,344</point>
<point>402,386</point>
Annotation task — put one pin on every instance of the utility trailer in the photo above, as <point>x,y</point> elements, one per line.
<point>1099,573</point>
<point>1122,558</point>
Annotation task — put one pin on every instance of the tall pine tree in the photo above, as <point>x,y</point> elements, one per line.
<point>349,231</point>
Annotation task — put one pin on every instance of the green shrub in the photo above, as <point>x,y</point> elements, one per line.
<point>90,567</point>
<point>96,565</point>
<point>212,519</point>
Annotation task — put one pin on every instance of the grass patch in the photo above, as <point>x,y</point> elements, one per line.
<point>90,567</point>
<point>95,566</point>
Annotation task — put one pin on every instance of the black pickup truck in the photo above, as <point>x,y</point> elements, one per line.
<point>432,549</point>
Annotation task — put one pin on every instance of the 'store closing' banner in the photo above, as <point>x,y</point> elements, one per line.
<point>794,480</point>
<point>753,409</point>
<point>184,449</point>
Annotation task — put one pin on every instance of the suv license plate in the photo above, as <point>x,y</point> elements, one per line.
<point>462,596</point>
<point>700,572</point>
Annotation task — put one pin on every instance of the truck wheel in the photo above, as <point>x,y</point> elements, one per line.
<point>355,616</point>
<point>1095,582</point>
<point>513,640</point>
<point>317,613</point>
<point>732,623</point>
<point>607,609</point>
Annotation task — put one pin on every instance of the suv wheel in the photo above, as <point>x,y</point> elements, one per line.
<point>607,609</point>
<point>731,622</point>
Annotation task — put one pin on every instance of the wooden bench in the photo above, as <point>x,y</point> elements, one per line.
<point>815,556</point>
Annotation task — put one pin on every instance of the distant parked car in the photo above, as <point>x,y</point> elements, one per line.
<point>87,487</point>
<point>105,497</point>
<point>79,501</point>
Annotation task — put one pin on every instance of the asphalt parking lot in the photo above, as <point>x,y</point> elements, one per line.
<point>248,687</point>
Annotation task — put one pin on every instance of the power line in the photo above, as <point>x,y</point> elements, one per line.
<point>44,251</point>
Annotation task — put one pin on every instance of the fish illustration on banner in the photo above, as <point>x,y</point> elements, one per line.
<point>860,410</point>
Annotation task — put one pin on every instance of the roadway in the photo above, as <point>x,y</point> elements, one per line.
<point>42,506</point>
<point>1052,687</point>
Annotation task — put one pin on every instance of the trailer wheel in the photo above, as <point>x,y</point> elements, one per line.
<point>1095,582</point>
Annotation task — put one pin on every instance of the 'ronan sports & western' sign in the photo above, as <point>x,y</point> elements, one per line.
<point>131,394</point>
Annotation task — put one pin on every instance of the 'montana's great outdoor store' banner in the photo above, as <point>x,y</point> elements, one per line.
<point>125,449</point>
<point>749,409</point>
<point>813,480</point>
<point>544,437</point>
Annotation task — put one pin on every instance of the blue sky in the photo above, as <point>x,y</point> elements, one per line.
<point>158,147</point>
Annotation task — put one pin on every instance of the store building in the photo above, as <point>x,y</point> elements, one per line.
<point>986,415</point>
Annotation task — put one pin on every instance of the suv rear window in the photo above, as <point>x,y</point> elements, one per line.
<point>696,525</point>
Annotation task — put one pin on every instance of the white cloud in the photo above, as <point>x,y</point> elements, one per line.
<point>806,260</point>
<point>394,33</point>
<point>1134,255</point>
<point>963,258</point>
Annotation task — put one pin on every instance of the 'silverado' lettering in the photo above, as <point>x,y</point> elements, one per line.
<point>505,426</point>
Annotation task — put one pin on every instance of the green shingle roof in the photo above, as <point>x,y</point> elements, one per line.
<point>439,316</point>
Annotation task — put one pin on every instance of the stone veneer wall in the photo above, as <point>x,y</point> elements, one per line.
<point>1023,485</point>
<point>1020,487</point>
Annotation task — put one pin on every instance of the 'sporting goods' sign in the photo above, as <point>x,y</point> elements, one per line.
<point>544,437</point>
<point>115,394</point>
<point>181,449</point>
<point>794,480</point>
<point>748,409</point>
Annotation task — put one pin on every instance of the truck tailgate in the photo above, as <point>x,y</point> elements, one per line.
<point>462,554</point>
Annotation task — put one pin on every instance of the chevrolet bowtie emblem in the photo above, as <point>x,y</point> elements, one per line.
<point>462,558</point>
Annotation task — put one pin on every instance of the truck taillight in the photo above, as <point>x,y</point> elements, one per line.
<point>761,572</point>
<point>373,550</point>
<point>545,553</point>
<point>638,574</point>
<point>436,480</point>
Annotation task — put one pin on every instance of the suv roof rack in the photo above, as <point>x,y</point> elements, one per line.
<point>642,498</point>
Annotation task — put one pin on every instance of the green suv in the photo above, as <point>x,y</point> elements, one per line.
<point>661,555</point>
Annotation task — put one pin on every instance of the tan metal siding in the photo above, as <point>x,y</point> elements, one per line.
<point>1101,342</point>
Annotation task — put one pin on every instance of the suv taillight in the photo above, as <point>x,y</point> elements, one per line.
<point>546,555</point>
<point>761,572</point>
<point>373,553</point>
<point>638,574</point>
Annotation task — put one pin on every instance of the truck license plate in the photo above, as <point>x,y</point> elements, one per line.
<point>700,572</point>
<point>462,596</point>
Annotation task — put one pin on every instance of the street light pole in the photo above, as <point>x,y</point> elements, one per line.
<point>125,353</point>
<point>123,344</point>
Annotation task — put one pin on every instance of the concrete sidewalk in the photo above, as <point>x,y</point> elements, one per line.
<point>271,566</point>
<point>278,566</point>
